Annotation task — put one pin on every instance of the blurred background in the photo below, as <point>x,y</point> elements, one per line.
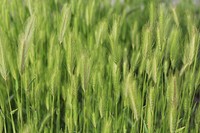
<point>196,2</point>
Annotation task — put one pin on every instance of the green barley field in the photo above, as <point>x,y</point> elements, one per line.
<point>99,66</point>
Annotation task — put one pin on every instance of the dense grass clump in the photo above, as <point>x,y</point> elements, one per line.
<point>95,66</point>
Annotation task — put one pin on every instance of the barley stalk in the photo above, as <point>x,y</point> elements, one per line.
<point>1,124</point>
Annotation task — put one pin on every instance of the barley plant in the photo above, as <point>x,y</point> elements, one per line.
<point>99,66</point>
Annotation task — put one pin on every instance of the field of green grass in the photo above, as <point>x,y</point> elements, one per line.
<point>96,66</point>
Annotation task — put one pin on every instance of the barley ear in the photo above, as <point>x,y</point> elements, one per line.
<point>134,96</point>
<point>192,49</point>
<point>150,110</point>
<point>114,33</point>
<point>25,42</point>
<point>175,16</point>
<point>172,99</point>
<point>71,56</point>
<point>3,69</point>
<point>174,47</point>
<point>189,53</point>
<point>107,126</point>
<point>66,16</point>
<point>100,33</point>
<point>154,69</point>
<point>152,13</point>
<point>85,70</point>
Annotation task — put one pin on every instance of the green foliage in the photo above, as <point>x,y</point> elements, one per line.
<point>99,66</point>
